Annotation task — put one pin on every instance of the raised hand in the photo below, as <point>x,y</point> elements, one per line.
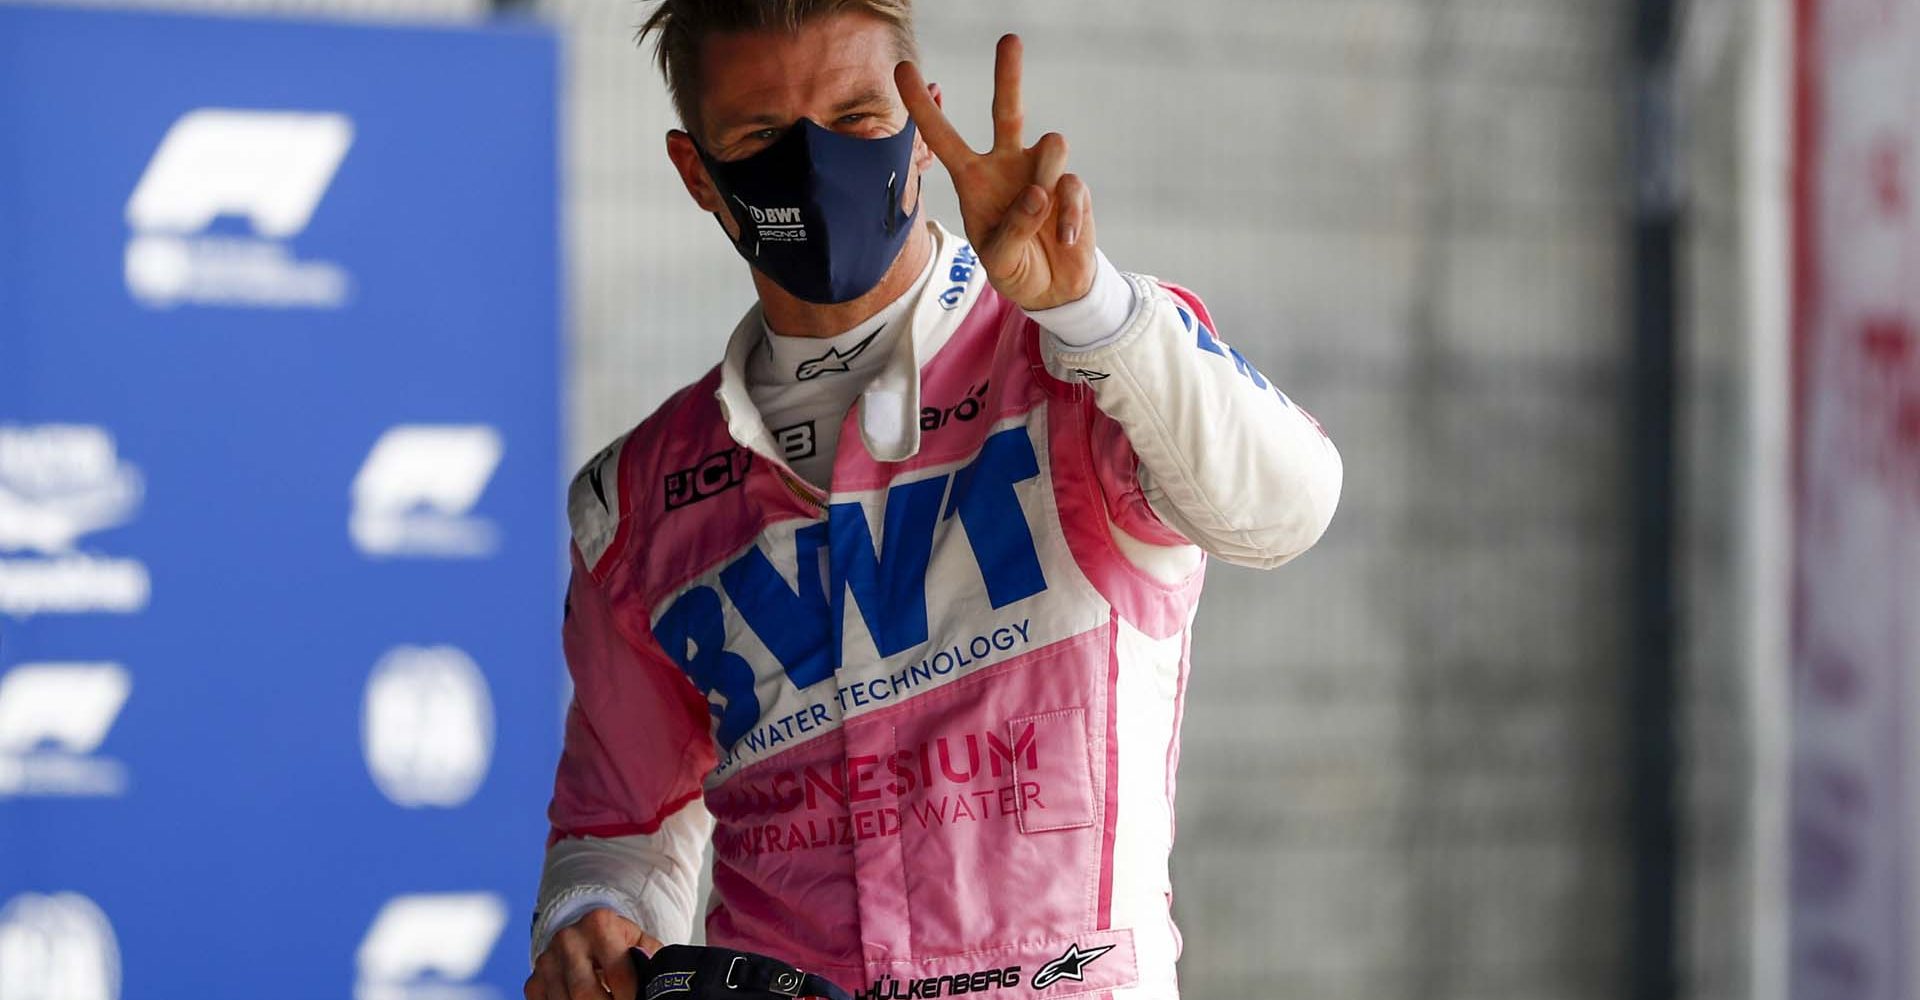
<point>1030,220</point>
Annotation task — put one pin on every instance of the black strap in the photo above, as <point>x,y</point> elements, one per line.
<point>689,972</point>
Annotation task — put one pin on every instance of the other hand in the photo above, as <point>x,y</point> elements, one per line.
<point>587,960</point>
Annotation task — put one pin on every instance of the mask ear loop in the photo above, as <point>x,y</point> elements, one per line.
<point>738,221</point>
<point>897,216</point>
<point>722,223</point>
<point>893,203</point>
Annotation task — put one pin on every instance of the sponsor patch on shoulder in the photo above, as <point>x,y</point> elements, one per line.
<point>593,503</point>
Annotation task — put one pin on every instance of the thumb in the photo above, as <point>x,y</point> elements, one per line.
<point>618,973</point>
<point>1017,227</point>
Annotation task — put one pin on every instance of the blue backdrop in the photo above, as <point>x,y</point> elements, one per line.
<point>280,530</point>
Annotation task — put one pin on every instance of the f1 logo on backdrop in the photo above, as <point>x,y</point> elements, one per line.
<point>57,947</point>
<point>53,716</point>
<point>58,484</point>
<point>270,168</point>
<point>426,726</point>
<point>430,946</point>
<point>415,493</point>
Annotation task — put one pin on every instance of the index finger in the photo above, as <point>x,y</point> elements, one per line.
<point>941,136</point>
<point>1008,114</point>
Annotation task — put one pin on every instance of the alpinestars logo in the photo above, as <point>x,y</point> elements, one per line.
<point>834,361</point>
<point>58,484</point>
<point>1070,966</point>
<point>430,946</point>
<point>53,716</point>
<point>57,947</point>
<point>270,168</point>
<point>415,494</point>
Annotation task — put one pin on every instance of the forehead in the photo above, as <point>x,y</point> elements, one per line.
<point>782,76</point>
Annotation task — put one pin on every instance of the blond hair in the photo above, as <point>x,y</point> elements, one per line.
<point>681,26</point>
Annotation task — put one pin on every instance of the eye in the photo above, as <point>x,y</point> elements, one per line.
<point>765,135</point>
<point>854,119</point>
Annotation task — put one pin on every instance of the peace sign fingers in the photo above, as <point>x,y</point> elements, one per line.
<point>1008,113</point>
<point>941,136</point>
<point>1025,219</point>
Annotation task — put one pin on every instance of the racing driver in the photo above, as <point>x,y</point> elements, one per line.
<point>893,606</point>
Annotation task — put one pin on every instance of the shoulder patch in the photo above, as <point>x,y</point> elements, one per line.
<point>593,502</point>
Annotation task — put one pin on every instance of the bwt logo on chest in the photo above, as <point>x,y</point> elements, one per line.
<point>802,625</point>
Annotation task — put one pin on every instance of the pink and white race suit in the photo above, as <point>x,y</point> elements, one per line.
<point>929,720</point>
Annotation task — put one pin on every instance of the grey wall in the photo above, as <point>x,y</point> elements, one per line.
<point>1399,767</point>
<point>1401,754</point>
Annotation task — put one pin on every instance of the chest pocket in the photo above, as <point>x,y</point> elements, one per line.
<point>1054,791</point>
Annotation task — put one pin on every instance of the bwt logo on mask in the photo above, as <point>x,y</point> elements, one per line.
<point>53,716</point>
<point>57,947</point>
<point>776,225</point>
<point>270,168</point>
<point>775,216</point>
<point>430,946</point>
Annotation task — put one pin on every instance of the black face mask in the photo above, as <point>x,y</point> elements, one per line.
<point>819,212</point>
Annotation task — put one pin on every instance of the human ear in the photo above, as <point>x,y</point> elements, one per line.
<point>693,172</point>
<point>923,153</point>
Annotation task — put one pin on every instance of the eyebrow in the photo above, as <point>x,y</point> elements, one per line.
<point>726,124</point>
<point>864,99</point>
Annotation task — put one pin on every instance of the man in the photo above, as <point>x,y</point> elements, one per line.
<point>893,605</point>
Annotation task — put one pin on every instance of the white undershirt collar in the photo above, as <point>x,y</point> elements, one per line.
<point>862,349</point>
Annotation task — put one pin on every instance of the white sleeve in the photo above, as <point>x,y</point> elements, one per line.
<point>652,879</point>
<point>1226,459</point>
<point>1095,317</point>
